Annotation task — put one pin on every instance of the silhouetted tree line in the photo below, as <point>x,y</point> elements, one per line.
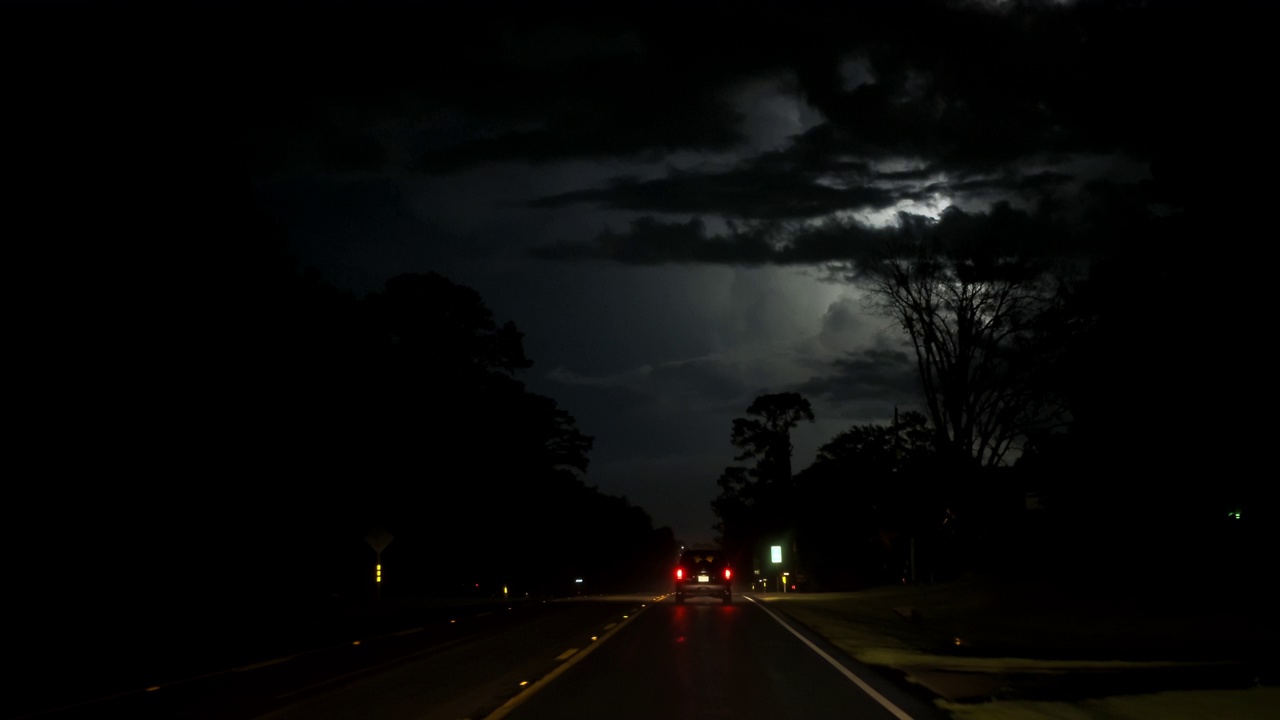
<point>1103,419</point>
<point>757,500</point>
<point>876,507</point>
<point>425,425</point>
<point>404,410</point>
<point>209,420</point>
<point>879,504</point>
<point>1165,471</point>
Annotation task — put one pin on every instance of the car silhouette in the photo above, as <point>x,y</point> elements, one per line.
<point>703,573</point>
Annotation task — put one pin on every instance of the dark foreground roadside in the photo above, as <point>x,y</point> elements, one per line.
<point>74,658</point>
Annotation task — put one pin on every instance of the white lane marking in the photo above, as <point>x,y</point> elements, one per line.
<point>862,685</point>
<point>606,627</point>
<point>567,654</point>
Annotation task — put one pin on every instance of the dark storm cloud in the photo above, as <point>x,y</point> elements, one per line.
<point>968,98</point>
<point>869,376</point>
<point>650,242</point>
<point>1008,183</point>
<point>755,191</point>
<point>469,84</point>
<point>653,242</point>
<point>970,89</point>
<point>799,184</point>
<point>444,87</point>
<point>644,132</point>
<point>990,105</point>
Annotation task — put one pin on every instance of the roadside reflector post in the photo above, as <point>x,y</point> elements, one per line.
<point>378,539</point>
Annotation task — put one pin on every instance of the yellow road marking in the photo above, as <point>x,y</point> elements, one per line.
<point>566,654</point>
<point>542,682</point>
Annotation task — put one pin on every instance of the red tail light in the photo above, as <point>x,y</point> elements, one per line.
<point>679,573</point>
<point>728,573</point>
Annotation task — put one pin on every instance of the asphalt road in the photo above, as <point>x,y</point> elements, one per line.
<point>619,657</point>
<point>438,667</point>
<point>705,659</point>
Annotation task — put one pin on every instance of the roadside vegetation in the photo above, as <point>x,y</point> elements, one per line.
<point>992,650</point>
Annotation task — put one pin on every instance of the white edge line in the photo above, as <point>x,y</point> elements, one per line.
<point>884,701</point>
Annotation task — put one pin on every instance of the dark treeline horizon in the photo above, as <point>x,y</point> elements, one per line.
<point>210,419</point>
<point>1155,360</point>
<point>1159,466</point>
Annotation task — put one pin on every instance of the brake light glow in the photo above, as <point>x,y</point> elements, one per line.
<point>728,573</point>
<point>679,573</point>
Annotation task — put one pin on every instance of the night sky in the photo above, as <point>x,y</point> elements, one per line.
<point>669,199</point>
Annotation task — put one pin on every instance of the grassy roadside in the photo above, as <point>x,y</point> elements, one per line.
<point>999,650</point>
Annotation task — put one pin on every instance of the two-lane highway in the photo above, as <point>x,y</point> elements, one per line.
<point>705,659</point>
<point>443,669</point>
<point>470,679</point>
<point>618,657</point>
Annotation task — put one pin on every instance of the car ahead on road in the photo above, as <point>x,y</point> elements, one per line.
<point>704,573</point>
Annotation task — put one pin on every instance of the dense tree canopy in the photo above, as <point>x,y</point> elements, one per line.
<point>971,309</point>
<point>757,499</point>
<point>873,495</point>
